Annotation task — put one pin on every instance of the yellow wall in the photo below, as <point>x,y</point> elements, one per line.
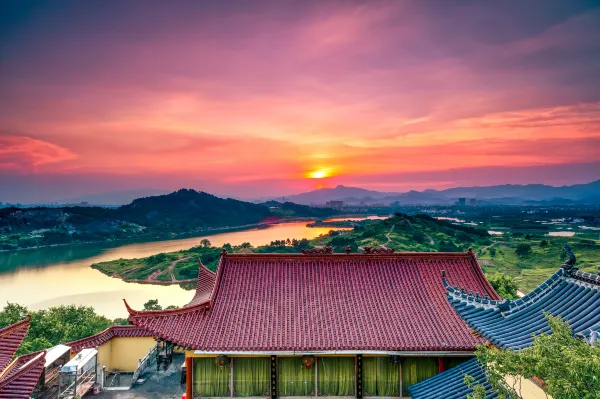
<point>122,354</point>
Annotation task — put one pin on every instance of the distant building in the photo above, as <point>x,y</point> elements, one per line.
<point>472,201</point>
<point>81,204</point>
<point>462,202</point>
<point>335,204</point>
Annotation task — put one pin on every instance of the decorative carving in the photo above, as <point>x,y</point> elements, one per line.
<point>273,392</point>
<point>348,250</point>
<point>569,265</point>
<point>504,306</point>
<point>319,251</point>
<point>374,251</point>
<point>223,252</point>
<point>307,361</point>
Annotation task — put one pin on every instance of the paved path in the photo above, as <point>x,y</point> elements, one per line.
<point>387,235</point>
<point>489,246</point>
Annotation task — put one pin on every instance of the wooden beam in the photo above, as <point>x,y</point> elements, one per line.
<point>188,378</point>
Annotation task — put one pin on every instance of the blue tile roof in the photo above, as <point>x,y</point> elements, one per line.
<point>572,295</point>
<point>568,293</point>
<point>450,384</point>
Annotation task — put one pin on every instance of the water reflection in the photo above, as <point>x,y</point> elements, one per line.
<point>58,275</point>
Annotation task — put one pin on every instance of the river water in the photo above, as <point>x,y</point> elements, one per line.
<point>39,278</point>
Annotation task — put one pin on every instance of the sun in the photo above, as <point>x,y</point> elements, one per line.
<point>317,174</point>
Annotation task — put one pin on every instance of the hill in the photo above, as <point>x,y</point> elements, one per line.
<point>408,233</point>
<point>403,232</point>
<point>290,209</point>
<point>187,210</point>
<point>180,213</point>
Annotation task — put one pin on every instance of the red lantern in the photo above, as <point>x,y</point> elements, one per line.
<point>308,360</point>
<point>222,361</point>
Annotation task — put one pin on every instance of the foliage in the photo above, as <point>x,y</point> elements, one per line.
<point>492,251</point>
<point>543,243</point>
<point>504,285</point>
<point>569,366</point>
<point>523,250</point>
<point>54,325</point>
<point>152,304</point>
<point>205,243</point>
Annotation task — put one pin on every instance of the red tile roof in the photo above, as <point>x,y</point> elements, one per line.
<point>11,338</point>
<point>206,281</point>
<point>315,302</point>
<point>106,335</point>
<point>20,378</point>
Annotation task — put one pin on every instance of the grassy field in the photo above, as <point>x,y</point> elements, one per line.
<point>532,269</point>
<point>497,254</point>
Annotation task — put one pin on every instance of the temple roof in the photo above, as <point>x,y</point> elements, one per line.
<point>106,335</point>
<point>18,377</point>
<point>323,302</point>
<point>11,338</point>
<point>450,384</point>
<point>570,294</point>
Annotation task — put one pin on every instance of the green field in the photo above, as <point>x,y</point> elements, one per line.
<point>497,254</point>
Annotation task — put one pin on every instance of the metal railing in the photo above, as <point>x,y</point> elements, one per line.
<point>143,364</point>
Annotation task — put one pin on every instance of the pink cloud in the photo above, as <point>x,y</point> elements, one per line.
<point>25,154</point>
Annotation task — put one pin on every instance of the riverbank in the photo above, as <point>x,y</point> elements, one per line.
<point>169,236</point>
<point>55,276</point>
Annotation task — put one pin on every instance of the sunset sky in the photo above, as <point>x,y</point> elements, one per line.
<point>259,98</point>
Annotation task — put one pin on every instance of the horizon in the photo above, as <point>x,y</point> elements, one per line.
<point>270,99</point>
<point>152,192</point>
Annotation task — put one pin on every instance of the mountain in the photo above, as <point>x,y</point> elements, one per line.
<point>588,193</point>
<point>535,192</point>
<point>322,195</point>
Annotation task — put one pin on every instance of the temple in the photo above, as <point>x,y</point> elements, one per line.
<point>18,376</point>
<point>569,293</point>
<point>320,323</point>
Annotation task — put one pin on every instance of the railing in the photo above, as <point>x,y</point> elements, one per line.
<point>144,363</point>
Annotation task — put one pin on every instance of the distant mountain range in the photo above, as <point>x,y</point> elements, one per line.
<point>508,194</point>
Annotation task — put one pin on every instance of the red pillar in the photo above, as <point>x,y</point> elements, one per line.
<point>188,378</point>
<point>441,366</point>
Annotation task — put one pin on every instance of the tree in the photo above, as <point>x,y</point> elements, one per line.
<point>54,325</point>
<point>205,243</point>
<point>569,366</point>
<point>492,251</point>
<point>504,285</point>
<point>544,243</point>
<point>152,304</point>
<point>523,250</point>
<point>228,247</point>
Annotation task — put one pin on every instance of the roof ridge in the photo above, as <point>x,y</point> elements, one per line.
<point>586,277</point>
<point>31,362</point>
<point>344,255</point>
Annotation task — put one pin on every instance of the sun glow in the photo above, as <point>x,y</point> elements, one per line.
<point>319,174</point>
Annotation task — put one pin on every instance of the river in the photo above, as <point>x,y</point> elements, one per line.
<point>39,278</point>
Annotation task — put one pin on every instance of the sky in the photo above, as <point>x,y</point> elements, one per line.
<point>266,98</point>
